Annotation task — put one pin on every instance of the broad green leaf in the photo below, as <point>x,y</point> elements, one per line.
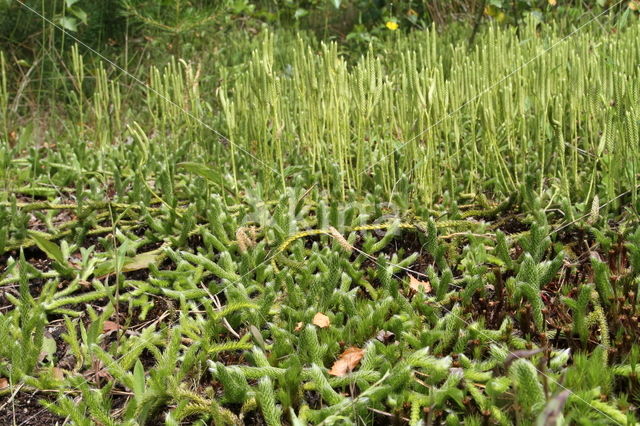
<point>48,349</point>
<point>68,23</point>
<point>80,14</point>
<point>622,22</point>
<point>257,336</point>
<point>602,143</point>
<point>130,264</point>
<point>138,380</point>
<point>141,261</point>
<point>50,248</point>
<point>300,13</point>
<point>204,171</point>
<point>104,268</point>
<point>70,3</point>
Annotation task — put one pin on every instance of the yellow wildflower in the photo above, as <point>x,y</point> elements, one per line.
<point>392,25</point>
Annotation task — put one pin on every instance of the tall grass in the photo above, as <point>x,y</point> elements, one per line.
<point>420,117</point>
<point>4,99</point>
<point>566,113</point>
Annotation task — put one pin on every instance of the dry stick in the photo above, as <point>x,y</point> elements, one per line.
<point>216,302</point>
<point>357,398</point>
<point>476,24</point>
<point>384,413</point>
<point>12,397</point>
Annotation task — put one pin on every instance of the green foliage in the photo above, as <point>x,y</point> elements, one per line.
<point>531,278</point>
<point>266,399</point>
<point>177,242</point>
<point>530,395</point>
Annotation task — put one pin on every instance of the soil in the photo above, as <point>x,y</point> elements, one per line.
<point>26,410</point>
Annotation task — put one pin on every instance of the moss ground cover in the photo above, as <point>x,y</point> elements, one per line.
<point>424,234</point>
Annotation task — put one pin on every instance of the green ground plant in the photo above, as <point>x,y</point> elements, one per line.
<point>423,234</point>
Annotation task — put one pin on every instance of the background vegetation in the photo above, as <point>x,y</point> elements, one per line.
<point>319,212</point>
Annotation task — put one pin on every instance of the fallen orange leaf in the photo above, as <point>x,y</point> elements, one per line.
<point>4,383</point>
<point>321,320</point>
<point>299,326</point>
<point>418,285</point>
<point>110,326</point>
<point>349,359</point>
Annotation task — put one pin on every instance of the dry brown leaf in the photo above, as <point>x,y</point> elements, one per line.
<point>246,238</point>
<point>299,326</point>
<point>321,320</point>
<point>4,383</point>
<point>385,336</point>
<point>97,372</point>
<point>418,285</point>
<point>349,360</point>
<point>58,373</point>
<point>110,326</point>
